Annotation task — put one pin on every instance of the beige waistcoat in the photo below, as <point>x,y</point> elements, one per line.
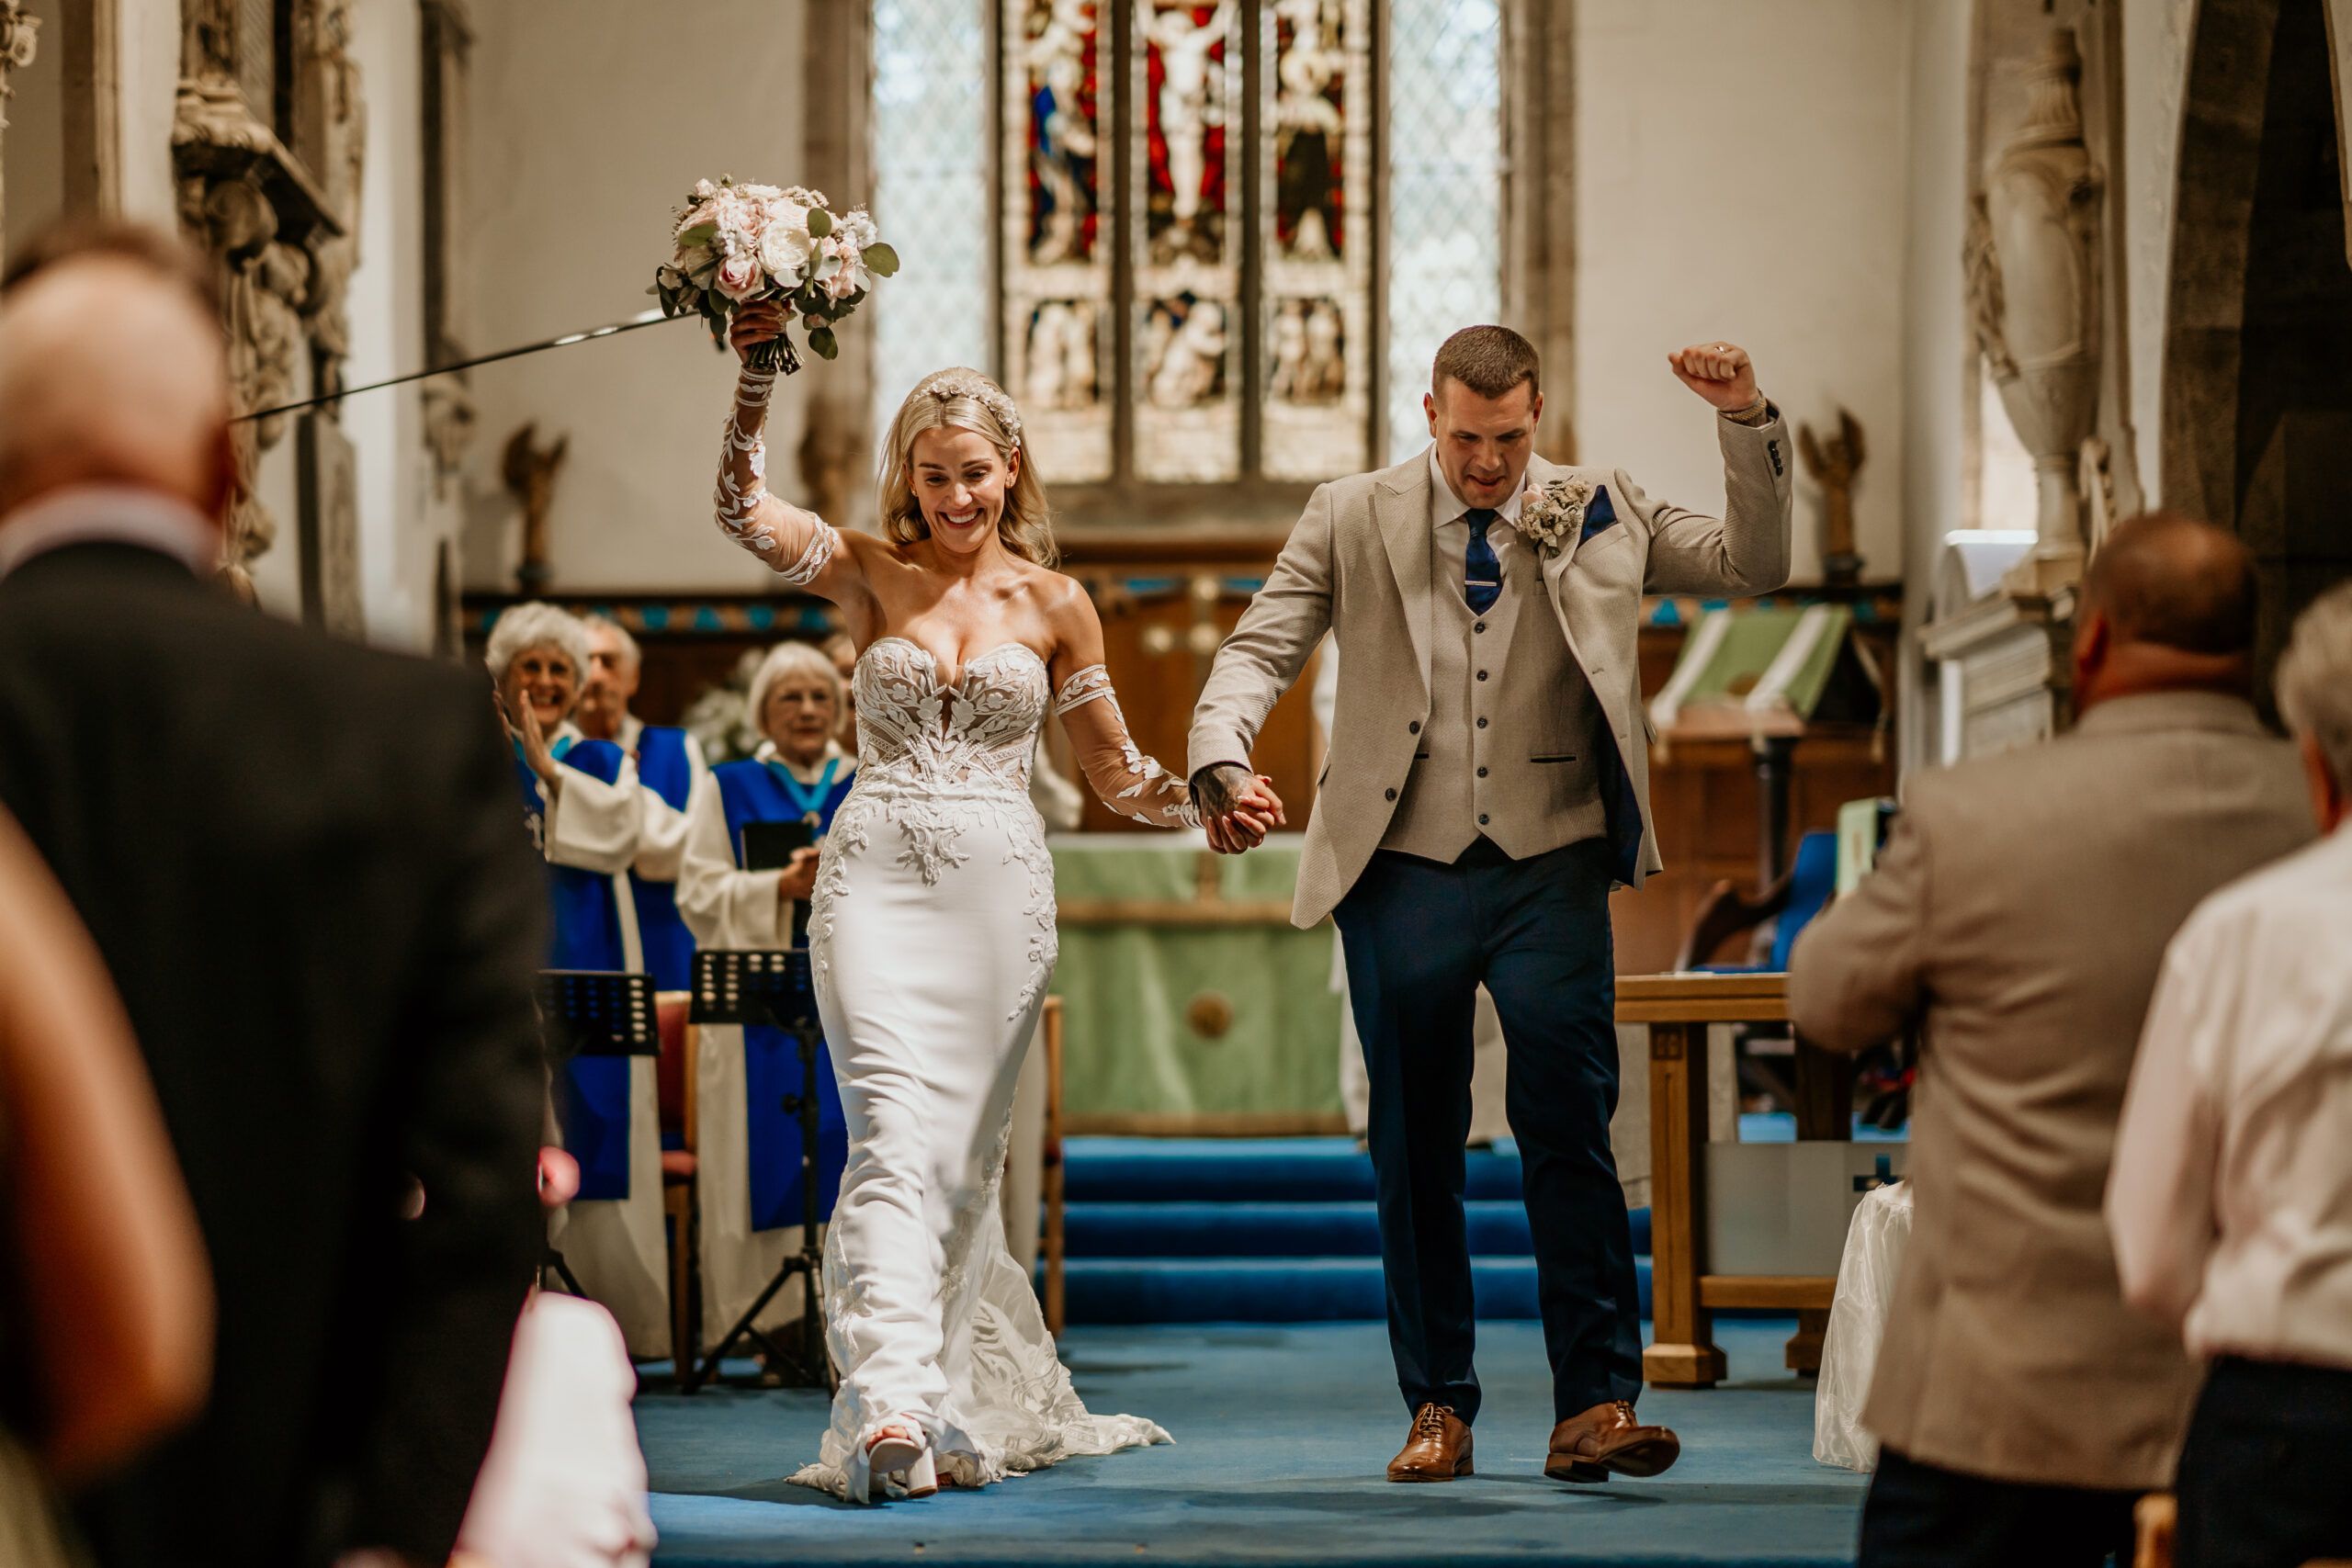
<point>1525,777</point>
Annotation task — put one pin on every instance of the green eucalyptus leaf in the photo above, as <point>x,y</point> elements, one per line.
<point>821,223</point>
<point>700,235</point>
<point>822,339</point>
<point>881,260</point>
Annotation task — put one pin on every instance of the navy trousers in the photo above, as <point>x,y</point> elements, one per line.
<point>2265,1475</point>
<point>1922,1515</point>
<point>1420,937</point>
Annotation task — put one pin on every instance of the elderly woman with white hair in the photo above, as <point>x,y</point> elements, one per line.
<point>750,865</point>
<point>581,800</point>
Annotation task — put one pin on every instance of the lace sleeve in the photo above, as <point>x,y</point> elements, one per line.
<point>1130,782</point>
<point>799,547</point>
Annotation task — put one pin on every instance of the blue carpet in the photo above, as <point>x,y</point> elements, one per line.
<point>1270,1230</point>
<point>1280,1435</point>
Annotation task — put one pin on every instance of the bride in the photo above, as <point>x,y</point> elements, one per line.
<point>931,929</point>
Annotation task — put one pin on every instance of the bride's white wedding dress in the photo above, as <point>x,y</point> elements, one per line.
<point>932,938</point>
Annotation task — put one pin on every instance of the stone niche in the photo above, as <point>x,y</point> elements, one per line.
<point>268,143</point>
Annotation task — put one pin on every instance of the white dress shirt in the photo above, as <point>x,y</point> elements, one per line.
<point>1453,548</point>
<point>2230,1198</point>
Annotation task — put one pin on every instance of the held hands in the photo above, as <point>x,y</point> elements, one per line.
<point>797,881</point>
<point>1719,372</point>
<point>1238,808</point>
<point>753,324</point>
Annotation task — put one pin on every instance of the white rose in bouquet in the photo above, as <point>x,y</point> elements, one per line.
<point>737,243</point>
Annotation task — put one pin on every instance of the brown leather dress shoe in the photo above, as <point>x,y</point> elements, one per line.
<point>1437,1448</point>
<point>1607,1437</point>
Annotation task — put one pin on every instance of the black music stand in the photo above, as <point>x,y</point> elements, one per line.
<point>772,989</point>
<point>594,1012</point>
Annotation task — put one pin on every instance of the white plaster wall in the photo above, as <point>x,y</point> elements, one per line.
<point>1742,175</point>
<point>386,303</point>
<point>150,62</point>
<point>2157,35</point>
<point>591,120</point>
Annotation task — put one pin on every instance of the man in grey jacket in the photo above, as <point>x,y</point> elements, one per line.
<point>1488,785</point>
<point>2019,911</point>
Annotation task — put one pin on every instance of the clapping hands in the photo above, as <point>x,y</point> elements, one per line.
<point>1238,808</point>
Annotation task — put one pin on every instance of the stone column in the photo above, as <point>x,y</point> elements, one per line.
<point>836,442</point>
<point>1540,202</point>
<point>18,31</point>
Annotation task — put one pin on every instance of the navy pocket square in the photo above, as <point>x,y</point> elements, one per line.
<point>1599,515</point>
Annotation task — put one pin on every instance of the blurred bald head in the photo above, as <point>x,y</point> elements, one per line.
<point>112,371</point>
<point>2168,604</point>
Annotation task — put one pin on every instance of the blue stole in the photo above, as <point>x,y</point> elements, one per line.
<point>761,792</point>
<point>663,764</point>
<point>595,1108</point>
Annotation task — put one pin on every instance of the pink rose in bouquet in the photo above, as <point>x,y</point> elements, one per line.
<point>735,244</point>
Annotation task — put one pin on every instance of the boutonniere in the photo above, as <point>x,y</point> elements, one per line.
<point>1551,515</point>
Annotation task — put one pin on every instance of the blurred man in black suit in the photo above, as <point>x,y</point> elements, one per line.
<point>302,864</point>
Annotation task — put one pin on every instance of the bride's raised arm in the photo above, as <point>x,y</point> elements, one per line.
<point>799,546</point>
<point>1130,782</point>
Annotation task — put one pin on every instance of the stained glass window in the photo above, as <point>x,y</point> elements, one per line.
<point>1221,324</point>
<point>1056,248</point>
<point>1318,266</point>
<point>1444,191</point>
<point>1188,277</point>
<point>930,192</point>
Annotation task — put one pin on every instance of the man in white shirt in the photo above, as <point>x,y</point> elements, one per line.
<point>2231,1196</point>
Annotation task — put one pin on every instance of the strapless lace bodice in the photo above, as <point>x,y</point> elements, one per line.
<point>917,736</point>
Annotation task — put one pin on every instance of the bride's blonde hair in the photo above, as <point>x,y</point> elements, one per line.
<point>966,400</point>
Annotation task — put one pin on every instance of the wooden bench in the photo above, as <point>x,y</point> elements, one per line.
<point>1683,1299</point>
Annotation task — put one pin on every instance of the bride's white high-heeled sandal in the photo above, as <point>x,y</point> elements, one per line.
<point>892,1450</point>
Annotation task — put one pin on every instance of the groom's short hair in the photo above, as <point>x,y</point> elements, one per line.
<point>1489,361</point>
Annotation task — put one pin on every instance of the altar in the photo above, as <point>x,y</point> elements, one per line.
<point>1190,1004</point>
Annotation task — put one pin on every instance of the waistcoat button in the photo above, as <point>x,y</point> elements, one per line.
<point>1392,795</point>
<point>1479,627</point>
<point>1482,675</point>
<point>1414,728</point>
<point>1482,724</point>
<point>1482,772</point>
<point>1482,819</point>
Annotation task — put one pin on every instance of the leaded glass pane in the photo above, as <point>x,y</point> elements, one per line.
<point>1444,191</point>
<point>1057,236</point>
<point>1317,293</point>
<point>1188,274</point>
<point>930,192</point>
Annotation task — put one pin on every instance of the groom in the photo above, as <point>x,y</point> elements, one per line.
<point>1488,787</point>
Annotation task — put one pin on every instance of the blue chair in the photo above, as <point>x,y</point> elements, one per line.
<point>1795,897</point>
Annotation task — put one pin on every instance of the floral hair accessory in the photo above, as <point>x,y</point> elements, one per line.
<point>1552,516</point>
<point>949,385</point>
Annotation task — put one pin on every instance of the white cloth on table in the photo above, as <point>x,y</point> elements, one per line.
<point>1875,1241</point>
<point>564,1482</point>
<point>938,852</point>
<point>618,1248</point>
<point>2230,1197</point>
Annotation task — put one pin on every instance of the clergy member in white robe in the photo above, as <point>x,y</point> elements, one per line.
<point>669,763</point>
<point>584,807</point>
<point>746,1166</point>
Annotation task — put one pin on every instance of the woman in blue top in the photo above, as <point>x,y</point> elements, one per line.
<point>583,809</point>
<point>747,1150</point>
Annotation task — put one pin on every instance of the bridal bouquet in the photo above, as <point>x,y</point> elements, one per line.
<point>735,244</point>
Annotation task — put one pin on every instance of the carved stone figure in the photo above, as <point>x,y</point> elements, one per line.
<point>2034,296</point>
<point>1833,465</point>
<point>279,222</point>
<point>529,472</point>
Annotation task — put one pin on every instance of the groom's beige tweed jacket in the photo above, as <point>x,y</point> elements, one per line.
<point>1358,565</point>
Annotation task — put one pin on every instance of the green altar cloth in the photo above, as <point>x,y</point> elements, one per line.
<point>1134,990</point>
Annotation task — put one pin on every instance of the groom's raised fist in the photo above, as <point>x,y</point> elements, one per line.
<point>1719,372</point>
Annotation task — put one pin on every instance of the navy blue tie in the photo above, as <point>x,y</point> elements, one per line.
<point>1482,575</point>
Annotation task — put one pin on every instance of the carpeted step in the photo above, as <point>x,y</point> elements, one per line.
<point>1290,1290</point>
<point>1243,1170</point>
<point>1498,1229</point>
